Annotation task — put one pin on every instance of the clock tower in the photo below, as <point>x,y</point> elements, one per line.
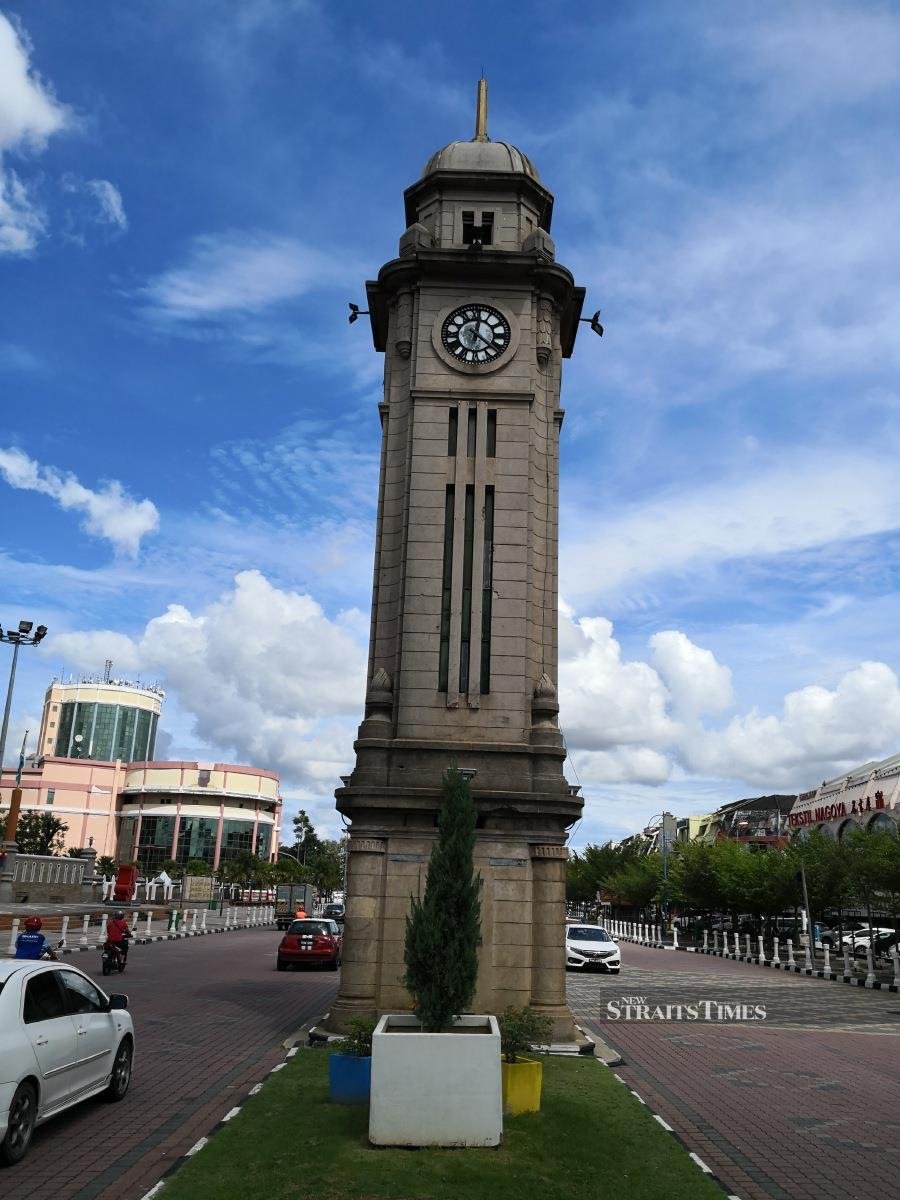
<point>474,317</point>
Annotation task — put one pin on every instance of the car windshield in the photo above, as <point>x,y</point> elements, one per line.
<point>588,933</point>
<point>310,927</point>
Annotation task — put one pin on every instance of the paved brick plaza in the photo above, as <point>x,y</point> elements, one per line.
<point>209,1014</point>
<point>804,1104</point>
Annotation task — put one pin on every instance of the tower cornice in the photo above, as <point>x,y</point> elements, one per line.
<point>486,267</point>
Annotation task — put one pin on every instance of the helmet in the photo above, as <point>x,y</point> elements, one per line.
<point>33,924</point>
<point>120,915</point>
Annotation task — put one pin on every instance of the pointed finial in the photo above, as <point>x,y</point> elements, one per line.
<point>481,134</point>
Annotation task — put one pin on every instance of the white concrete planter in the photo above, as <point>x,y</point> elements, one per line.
<point>436,1089</point>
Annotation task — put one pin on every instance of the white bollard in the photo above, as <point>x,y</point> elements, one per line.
<point>762,952</point>
<point>203,921</point>
<point>674,937</point>
<point>848,966</point>
<point>870,974</point>
<point>194,922</point>
<point>248,917</point>
<point>705,940</point>
<point>134,921</point>
<point>808,964</point>
<point>827,950</point>
<point>13,934</point>
<point>715,941</point>
<point>895,959</point>
<point>149,919</point>
<point>656,941</point>
<point>776,960</point>
<point>790,962</point>
<point>101,932</point>
<point>64,932</point>
<point>85,921</point>
<point>749,954</point>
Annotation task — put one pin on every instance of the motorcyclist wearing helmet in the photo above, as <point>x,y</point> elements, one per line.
<point>32,943</point>
<point>118,933</point>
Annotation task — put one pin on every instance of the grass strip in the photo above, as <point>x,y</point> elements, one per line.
<point>591,1139</point>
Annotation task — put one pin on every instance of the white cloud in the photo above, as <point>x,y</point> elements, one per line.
<point>108,513</point>
<point>235,273</point>
<point>263,672</point>
<point>29,111</point>
<point>633,722</point>
<point>806,502</point>
<point>29,115</point>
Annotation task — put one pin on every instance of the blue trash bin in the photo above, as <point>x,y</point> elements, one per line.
<point>349,1078</point>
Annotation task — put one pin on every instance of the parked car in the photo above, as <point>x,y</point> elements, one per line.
<point>334,911</point>
<point>313,941</point>
<point>859,940</point>
<point>591,946</point>
<point>830,937</point>
<point>62,1040</point>
<point>881,945</point>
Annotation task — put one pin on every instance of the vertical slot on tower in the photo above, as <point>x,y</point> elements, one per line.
<point>487,595</point>
<point>466,615</point>
<point>470,432</point>
<point>491,447</point>
<point>446,591</point>
<point>452,432</point>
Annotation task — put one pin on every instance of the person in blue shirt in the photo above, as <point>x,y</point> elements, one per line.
<point>32,943</point>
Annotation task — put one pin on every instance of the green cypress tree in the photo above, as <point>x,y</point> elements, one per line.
<point>443,928</point>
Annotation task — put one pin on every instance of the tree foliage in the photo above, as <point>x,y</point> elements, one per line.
<point>40,833</point>
<point>443,928</point>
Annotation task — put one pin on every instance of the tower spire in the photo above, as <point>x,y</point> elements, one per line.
<point>481,134</point>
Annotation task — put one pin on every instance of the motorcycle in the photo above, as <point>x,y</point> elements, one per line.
<point>114,957</point>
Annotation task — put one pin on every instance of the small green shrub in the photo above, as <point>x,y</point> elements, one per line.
<point>521,1028</point>
<point>358,1041</point>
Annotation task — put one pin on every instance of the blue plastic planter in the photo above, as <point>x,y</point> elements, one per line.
<point>349,1078</point>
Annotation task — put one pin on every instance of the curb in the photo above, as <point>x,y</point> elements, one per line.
<point>876,985</point>
<point>692,1154</point>
<point>229,1116</point>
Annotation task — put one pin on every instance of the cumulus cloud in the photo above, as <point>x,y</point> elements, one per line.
<point>109,513</point>
<point>640,722</point>
<point>263,673</point>
<point>29,115</point>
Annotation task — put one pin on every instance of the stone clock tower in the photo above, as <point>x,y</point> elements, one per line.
<point>474,318</point>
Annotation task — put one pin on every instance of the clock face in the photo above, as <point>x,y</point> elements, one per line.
<point>475,334</point>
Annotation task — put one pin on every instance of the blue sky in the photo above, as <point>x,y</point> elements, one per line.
<point>191,193</point>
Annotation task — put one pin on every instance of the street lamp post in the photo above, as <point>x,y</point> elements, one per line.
<point>664,834</point>
<point>15,638</point>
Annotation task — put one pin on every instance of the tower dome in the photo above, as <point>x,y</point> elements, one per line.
<point>481,155</point>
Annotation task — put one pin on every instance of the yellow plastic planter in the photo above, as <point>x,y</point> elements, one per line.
<point>521,1086</point>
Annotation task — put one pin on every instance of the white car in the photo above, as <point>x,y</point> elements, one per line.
<point>61,1041</point>
<point>590,946</point>
<point>860,939</point>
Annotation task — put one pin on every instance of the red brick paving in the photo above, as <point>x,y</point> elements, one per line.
<point>803,1105</point>
<point>210,1015</point>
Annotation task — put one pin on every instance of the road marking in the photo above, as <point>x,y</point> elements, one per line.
<point>231,1113</point>
<point>280,1067</point>
<point>636,1096</point>
<point>700,1163</point>
<point>256,1089</point>
<point>154,1191</point>
<point>196,1146</point>
<point>665,1124</point>
<point>292,1051</point>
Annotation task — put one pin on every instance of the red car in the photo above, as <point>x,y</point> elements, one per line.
<point>313,940</point>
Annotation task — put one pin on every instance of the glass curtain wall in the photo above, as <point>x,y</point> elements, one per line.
<point>106,732</point>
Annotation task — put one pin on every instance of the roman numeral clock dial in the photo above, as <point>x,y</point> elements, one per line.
<point>475,334</point>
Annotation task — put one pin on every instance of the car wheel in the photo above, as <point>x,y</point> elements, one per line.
<point>20,1125</point>
<point>282,966</point>
<point>120,1076</point>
